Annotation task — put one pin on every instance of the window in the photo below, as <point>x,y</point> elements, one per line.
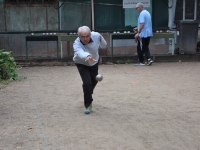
<point>189,11</point>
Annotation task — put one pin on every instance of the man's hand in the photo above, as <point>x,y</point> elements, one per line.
<point>90,58</point>
<point>137,36</point>
<point>135,29</point>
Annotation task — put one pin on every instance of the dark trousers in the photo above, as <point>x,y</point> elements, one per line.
<point>144,49</point>
<point>88,75</point>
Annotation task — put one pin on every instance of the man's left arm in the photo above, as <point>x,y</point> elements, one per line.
<point>141,28</point>
<point>102,41</point>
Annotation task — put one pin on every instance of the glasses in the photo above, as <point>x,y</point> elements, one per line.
<point>85,37</point>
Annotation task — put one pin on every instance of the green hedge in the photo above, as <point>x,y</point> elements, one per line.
<point>7,66</point>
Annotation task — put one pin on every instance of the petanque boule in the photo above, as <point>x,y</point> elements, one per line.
<point>99,77</point>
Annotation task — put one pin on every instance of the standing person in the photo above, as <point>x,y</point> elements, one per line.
<point>144,32</point>
<point>86,58</point>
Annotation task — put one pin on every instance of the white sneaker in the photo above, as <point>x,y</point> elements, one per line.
<point>139,64</point>
<point>150,61</point>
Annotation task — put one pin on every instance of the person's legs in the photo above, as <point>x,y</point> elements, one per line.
<point>87,83</point>
<point>140,52</point>
<point>93,74</point>
<point>88,75</point>
<point>145,49</point>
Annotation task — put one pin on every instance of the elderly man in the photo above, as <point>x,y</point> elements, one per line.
<point>86,58</point>
<point>144,32</point>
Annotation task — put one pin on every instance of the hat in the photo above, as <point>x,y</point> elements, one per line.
<point>139,5</point>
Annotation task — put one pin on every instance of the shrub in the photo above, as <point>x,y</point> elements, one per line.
<point>7,66</point>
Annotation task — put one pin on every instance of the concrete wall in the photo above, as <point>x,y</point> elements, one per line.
<point>17,44</point>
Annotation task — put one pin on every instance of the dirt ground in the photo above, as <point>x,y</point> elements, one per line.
<point>135,108</point>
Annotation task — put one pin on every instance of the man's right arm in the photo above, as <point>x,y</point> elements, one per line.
<point>90,58</point>
<point>78,50</point>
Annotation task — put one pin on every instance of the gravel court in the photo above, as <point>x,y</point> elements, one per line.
<point>135,108</point>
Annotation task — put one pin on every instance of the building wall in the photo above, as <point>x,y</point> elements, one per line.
<point>78,14</point>
<point>35,18</point>
<point>19,21</point>
<point>2,24</point>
